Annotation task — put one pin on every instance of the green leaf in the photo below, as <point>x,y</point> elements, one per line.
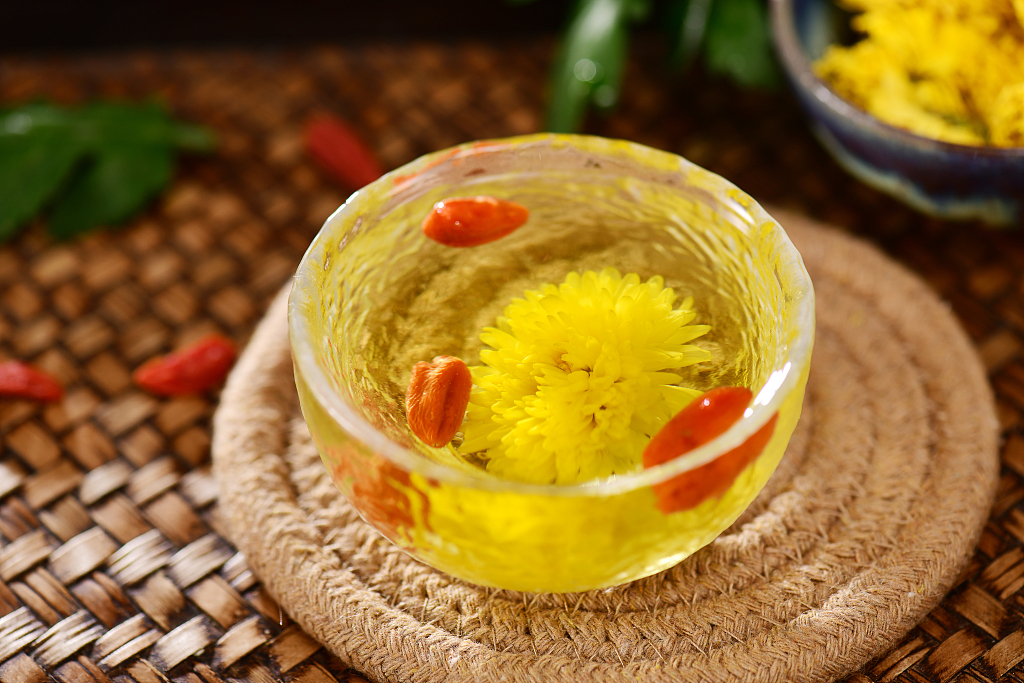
<point>118,123</point>
<point>193,138</point>
<point>738,43</point>
<point>686,22</point>
<point>35,159</point>
<point>15,121</point>
<point>590,63</point>
<point>96,165</point>
<point>637,10</point>
<point>112,188</point>
<point>104,124</point>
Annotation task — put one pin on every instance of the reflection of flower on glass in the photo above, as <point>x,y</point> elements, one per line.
<point>579,376</point>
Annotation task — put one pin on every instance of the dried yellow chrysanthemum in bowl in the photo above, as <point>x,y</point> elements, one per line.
<point>950,70</point>
<point>928,106</point>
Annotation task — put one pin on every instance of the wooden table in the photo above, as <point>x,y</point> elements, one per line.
<point>112,564</point>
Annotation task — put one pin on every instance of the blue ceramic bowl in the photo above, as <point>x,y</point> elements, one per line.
<point>939,178</point>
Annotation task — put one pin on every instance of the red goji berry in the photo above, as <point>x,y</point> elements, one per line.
<point>339,152</point>
<point>706,417</point>
<point>472,221</point>
<point>436,400</point>
<point>21,380</point>
<point>189,370</point>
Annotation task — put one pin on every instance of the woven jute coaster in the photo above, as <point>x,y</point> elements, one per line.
<point>873,513</point>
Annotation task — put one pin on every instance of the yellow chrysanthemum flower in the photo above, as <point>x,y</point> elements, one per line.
<point>579,377</point>
<point>945,69</point>
<point>1006,119</point>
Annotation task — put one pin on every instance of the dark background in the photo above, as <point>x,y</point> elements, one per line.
<point>75,24</point>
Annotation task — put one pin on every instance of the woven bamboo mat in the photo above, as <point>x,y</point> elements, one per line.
<point>112,564</point>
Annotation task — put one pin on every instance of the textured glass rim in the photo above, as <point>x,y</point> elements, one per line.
<point>351,421</point>
<point>799,67</point>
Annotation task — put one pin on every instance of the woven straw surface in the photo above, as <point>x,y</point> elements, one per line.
<point>883,494</point>
<point>113,565</point>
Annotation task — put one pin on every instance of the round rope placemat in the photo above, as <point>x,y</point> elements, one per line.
<point>868,521</point>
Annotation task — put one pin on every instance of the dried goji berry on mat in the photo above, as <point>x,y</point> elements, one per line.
<point>707,416</point>
<point>21,380</point>
<point>437,397</point>
<point>190,370</point>
<point>339,152</point>
<point>472,221</point>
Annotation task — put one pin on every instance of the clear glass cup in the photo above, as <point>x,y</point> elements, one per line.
<point>372,296</point>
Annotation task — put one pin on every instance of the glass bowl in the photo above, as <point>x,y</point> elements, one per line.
<point>372,296</point>
<point>950,181</point>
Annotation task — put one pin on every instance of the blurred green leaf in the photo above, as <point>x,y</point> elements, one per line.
<point>193,138</point>
<point>738,43</point>
<point>111,189</point>
<point>686,22</point>
<point>590,63</point>
<point>113,124</point>
<point>96,165</point>
<point>36,157</point>
<point>638,10</point>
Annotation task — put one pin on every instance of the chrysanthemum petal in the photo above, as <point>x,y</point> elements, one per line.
<point>575,381</point>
